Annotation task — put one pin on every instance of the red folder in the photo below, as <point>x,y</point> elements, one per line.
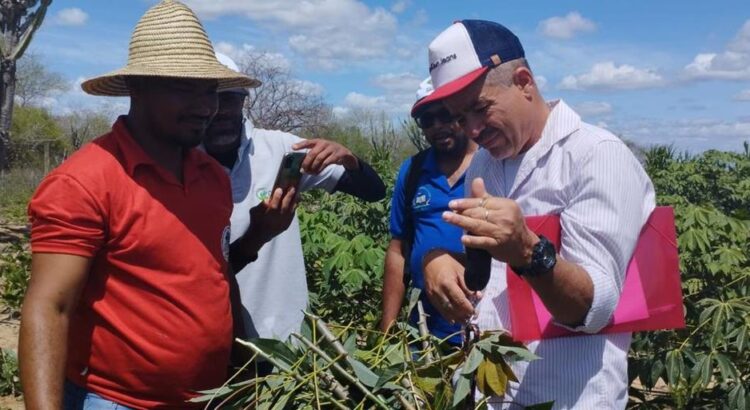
<point>651,298</point>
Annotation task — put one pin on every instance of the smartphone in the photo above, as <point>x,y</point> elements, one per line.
<point>478,267</point>
<point>290,171</point>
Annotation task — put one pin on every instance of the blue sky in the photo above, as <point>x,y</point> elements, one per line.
<point>651,71</point>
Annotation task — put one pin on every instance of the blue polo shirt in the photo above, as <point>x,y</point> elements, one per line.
<point>430,231</point>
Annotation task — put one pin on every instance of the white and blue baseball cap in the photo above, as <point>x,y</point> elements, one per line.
<point>230,64</point>
<point>464,52</point>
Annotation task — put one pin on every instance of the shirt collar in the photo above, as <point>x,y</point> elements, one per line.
<point>133,154</point>
<point>246,141</point>
<point>561,122</point>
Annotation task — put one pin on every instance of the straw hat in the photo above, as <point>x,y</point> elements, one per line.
<point>168,41</point>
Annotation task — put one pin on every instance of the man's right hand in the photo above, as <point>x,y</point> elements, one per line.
<point>274,215</point>
<point>445,287</point>
<point>267,219</point>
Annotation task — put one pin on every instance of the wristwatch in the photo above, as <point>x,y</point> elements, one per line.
<point>543,260</point>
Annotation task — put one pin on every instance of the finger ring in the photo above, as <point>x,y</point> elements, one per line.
<point>447,303</point>
<point>483,201</point>
<point>486,215</point>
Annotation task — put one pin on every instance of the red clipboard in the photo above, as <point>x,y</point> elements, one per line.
<point>651,298</point>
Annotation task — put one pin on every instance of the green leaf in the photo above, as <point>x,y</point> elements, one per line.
<point>675,367</point>
<point>491,379</point>
<point>386,375</point>
<point>463,389</point>
<point>472,362</point>
<point>657,368</point>
<point>726,367</point>
<point>701,373</point>
<point>741,340</point>
<point>737,397</point>
<point>541,406</point>
<point>363,373</point>
<point>276,349</point>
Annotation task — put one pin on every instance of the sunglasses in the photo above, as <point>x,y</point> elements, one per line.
<point>428,118</point>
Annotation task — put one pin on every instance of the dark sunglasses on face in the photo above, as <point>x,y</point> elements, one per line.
<point>427,119</point>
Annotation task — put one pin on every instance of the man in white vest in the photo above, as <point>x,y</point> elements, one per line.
<point>273,288</point>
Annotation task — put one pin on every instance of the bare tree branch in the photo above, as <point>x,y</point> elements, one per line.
<point>282,102</point>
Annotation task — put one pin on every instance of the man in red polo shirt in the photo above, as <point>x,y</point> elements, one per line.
<point>128,302</point>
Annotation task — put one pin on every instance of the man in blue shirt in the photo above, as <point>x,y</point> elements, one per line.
<point>441,179</point>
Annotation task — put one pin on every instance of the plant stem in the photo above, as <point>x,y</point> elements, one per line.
<point>285,368</point>
<point>424,332</point>
<point>378,400</point>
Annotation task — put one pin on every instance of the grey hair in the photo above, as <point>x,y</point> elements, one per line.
<point>503,74</point>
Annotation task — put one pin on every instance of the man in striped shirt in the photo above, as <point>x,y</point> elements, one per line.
<point>539,158</point>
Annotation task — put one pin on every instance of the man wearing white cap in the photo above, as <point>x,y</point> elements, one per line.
<point>539,158</point>
<point>273,288</point>
<point>425,184</point>
<point>128,304</point>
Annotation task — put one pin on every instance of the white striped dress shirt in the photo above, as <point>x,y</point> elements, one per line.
<point>603,196</point>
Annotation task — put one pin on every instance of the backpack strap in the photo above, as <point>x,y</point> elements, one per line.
<point>410,189</point>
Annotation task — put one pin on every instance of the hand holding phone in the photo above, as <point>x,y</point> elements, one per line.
<point>290,171</point>
<point>478,268</point>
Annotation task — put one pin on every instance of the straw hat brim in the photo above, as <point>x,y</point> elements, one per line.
<point>113,83</point>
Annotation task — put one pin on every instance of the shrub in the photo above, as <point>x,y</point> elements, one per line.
<point>16,187</point>
<point>15,265</point>
<point>10,383</point>
<point>707,364</point>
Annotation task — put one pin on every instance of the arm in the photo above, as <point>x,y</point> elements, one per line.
<point>393,284</point>
<point>364,183</point>
<point>52,296</point>
<point>358,179</point>
<point>607,207</point>
<point>497,225</point>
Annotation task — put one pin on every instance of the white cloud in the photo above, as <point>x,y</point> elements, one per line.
<point>75,100</point>
<point>743,95</point>
<point>566,27</point>
<point>240,53</point>
<point>400,6</point>
<point>71,17</point>
<point>310,88</point>
<point>398,104</point>
<point>541,82</point>
<point>374,103</point>
<point>695,135</point>
<point>328,33</point>
<point>607,76</point>
<point>398,83</point>
<point>593,108</point>
<point>420,18</point>
<point>730,64</point>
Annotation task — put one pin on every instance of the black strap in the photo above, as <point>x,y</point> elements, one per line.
<point>410,189</point>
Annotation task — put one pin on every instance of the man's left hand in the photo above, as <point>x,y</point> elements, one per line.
<point>323,153</point>
<point>494,224</point>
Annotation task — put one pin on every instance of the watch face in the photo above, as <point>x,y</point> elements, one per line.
<point>544,258</point>
<point>549,256</point>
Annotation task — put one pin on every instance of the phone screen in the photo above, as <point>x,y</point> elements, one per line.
<point>290,171</point>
